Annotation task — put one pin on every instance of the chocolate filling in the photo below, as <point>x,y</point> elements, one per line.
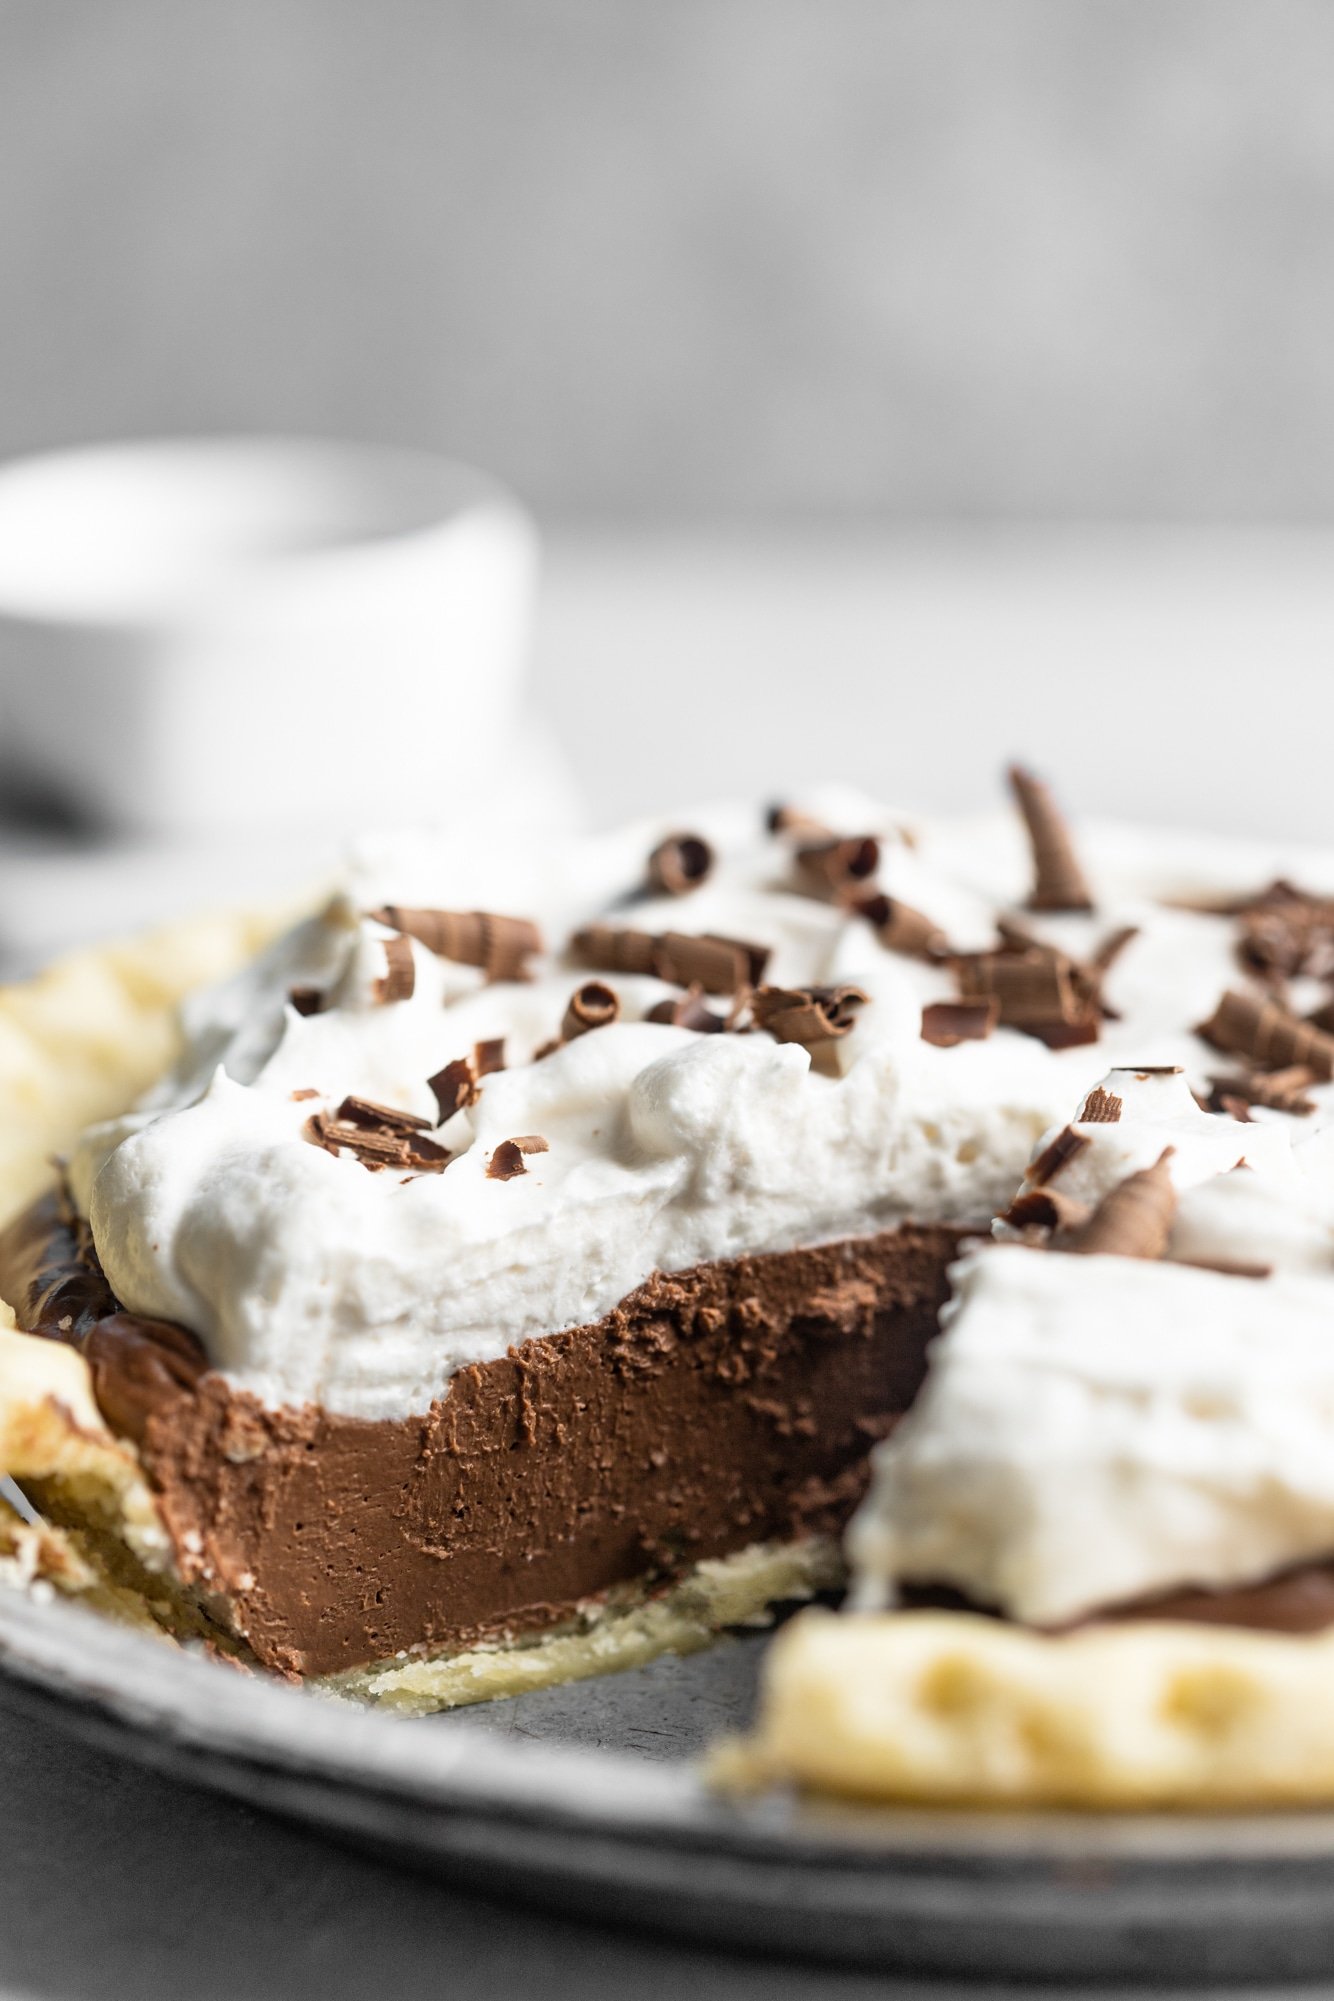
<point>713,1408</point>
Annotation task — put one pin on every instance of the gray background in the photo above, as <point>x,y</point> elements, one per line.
<point>757,258</point>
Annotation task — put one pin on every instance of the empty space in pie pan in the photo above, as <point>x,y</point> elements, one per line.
<point>589,1798</point>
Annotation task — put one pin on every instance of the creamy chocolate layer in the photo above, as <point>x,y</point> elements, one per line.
<point>730,1404</point>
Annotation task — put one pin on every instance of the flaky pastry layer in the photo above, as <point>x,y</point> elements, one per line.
<point>953,1709</point>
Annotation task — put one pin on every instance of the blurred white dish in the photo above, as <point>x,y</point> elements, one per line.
<point>202,634</point>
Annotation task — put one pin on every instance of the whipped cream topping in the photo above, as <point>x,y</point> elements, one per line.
<point>310,1278</point>
<point>1097,1429</point>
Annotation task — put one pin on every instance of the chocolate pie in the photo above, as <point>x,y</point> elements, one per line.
<point>525,1258</point>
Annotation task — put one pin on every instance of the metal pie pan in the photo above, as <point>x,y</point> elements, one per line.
<point>586,1799</point>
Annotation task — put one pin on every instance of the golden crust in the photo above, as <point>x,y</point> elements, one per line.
<point>951,1709</point>
<point>620,1633</point>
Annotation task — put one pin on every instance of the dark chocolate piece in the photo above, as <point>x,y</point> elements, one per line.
<point>454,1087</point>
<point>1059,882</point>
<point>400,975</point>
<point>679,864</point>
<point>590,1006</point>
<point>1134,1219</point>
<point>507,1160</point>
<point>946,1023</point>
<point>1268,1035</point>
<point>501,946</point>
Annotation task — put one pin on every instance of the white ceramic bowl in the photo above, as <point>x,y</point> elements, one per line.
<point>209,633</point>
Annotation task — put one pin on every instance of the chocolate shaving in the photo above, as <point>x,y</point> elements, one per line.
<point>689,1011</point>
<point>1110,950</point>
<point>454,1087</point>
<point>1036,992</point>
<point>366,1112</point>
<point>1100,1108</point>
<point>299,1097</point>
<point>898,926</point>
<point>1134,1219</point>
<point>400,975</point>
<point>507,1160</point>
<point>306,1000</point>
<point>945,1023</point>
<point>1267,1035</point>
<point>1046,1210</point>
<point>378,1136</point>
<point>488,1057</point>
<point>1058,879</point>
<point>807,1015</point>
<point>836,864</point>
<point>592,1005</point>
<point>1056,1155</point>
<point>1043,991</point>
<point>501,946</point>
<point>1280,1091</point>
<point>718,965</point>
<point>1285,932</point>
<point>679,864</point>
<point>613,948</point>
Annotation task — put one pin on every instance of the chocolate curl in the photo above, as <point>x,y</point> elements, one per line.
<point>590,1006</point>
<point>454,1088</point>
<point>1036,993</point>
<point>377,1145</point>
<point>501,946</point>
<point>898,926</point>
<point>835,865</point>
<point>1100,1108</point>
<point>1134,1219</point>
<point>306,1000</point>
<point>1280,1091</point>
<point>366,1112</point>
<point>1056,1156</point>
<point>1267,1035</point>
<point>1287,932</point>
<point>1058,880</point>
<point>1046,1210</point>
<point>614,948</point>
<point>718,965</point>
<point>945,1023</point>
<point>507,1160</point>
<point>488,1057</point>
<point>688,1011</point>
<point>808,1015</point>
<point>400,975</point>
<point>679,864</point>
